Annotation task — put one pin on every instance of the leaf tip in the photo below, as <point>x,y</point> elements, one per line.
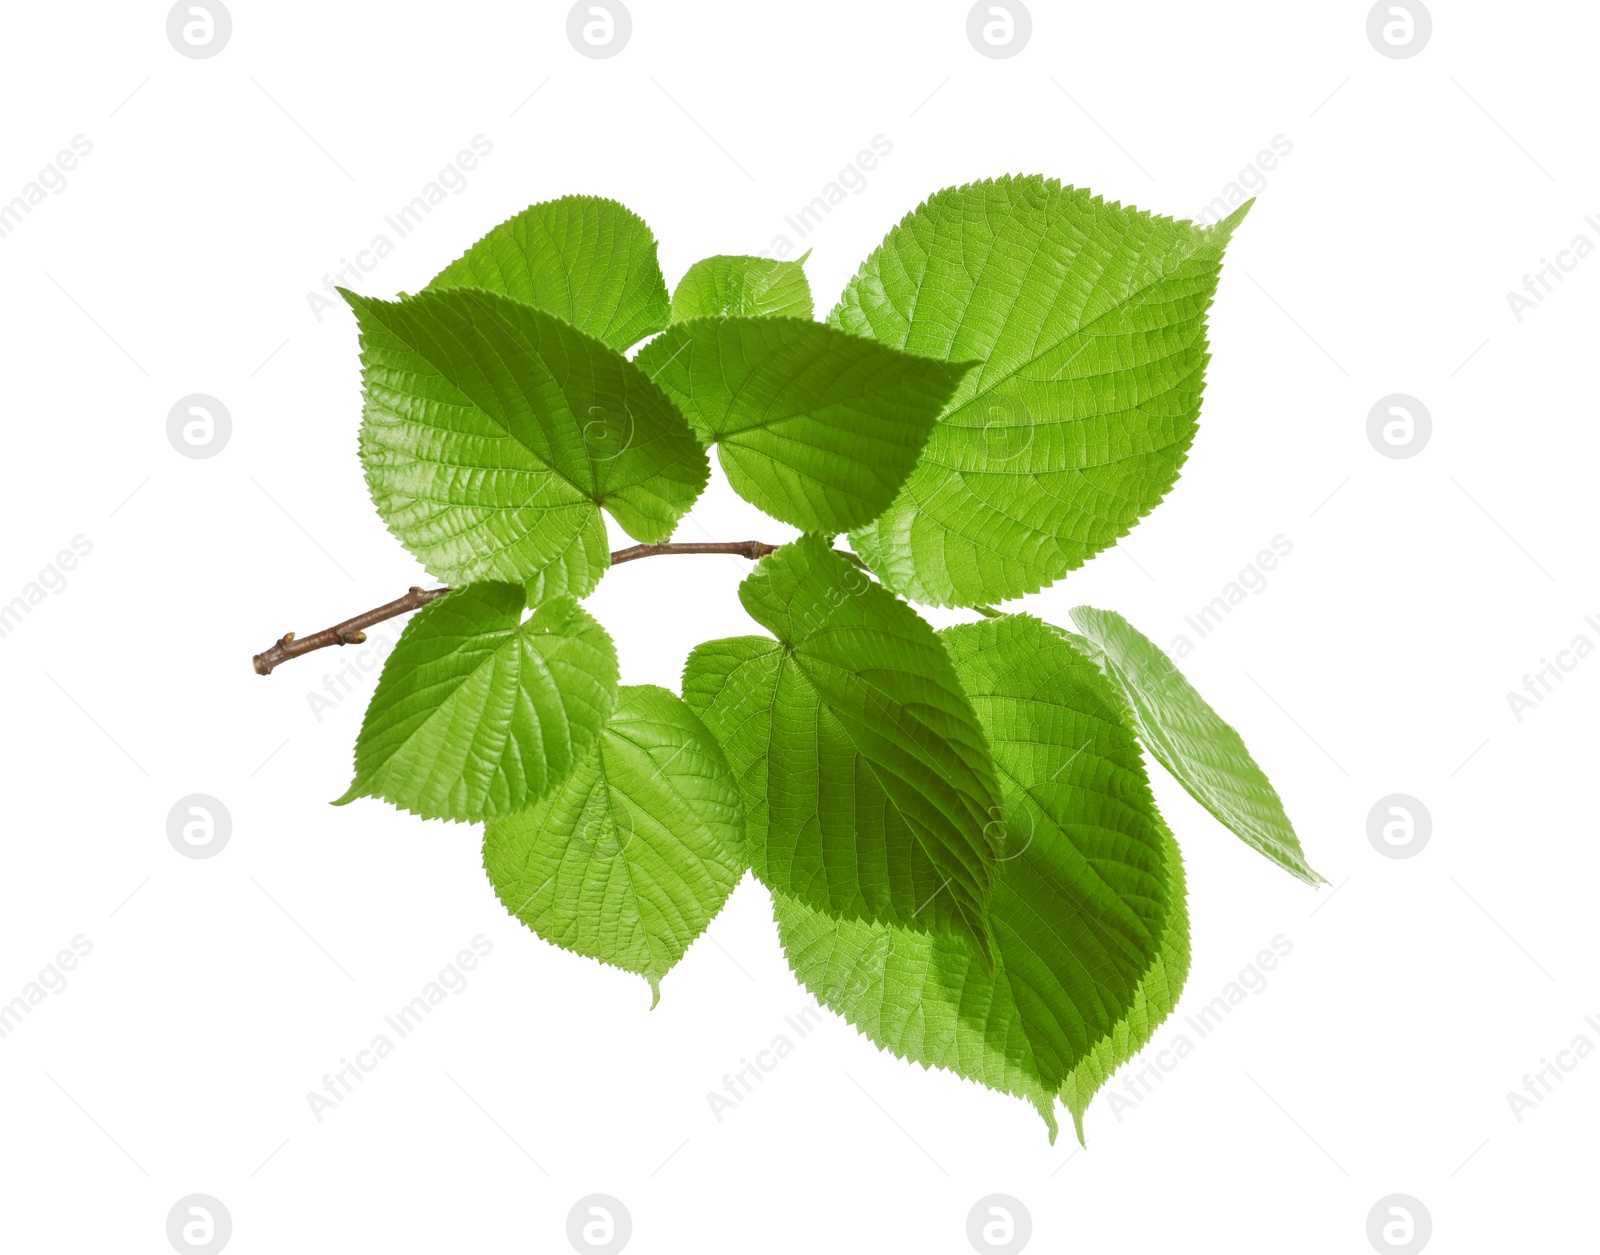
<point>1223,231</point>
<point>960,370</point>
<point>655,991</point>
<point>1046,1107</point>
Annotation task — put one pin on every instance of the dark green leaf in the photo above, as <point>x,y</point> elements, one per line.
<point>495,433</point>
<point>1089,884</point>
<point>869,790</point>
<point>816,427</point>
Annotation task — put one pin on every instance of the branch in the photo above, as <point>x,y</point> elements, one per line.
<point>347,633</point>
<point>751,549</point>
<point>351,631</point>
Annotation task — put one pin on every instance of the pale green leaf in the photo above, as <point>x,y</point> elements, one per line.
<point>869,790</point>
<point>1083,899</point>
<point>588,261</point>
<point>816,427</point>
<point>1187,737</point>
<point>742,287</point>
<point>494,434</point>
<point>629,858</point>
<point>477,712</point>
<point>1089,321</point>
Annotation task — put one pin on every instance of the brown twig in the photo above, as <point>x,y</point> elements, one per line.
<point>352,631</point>
<point>347,633</point>
<point>751,549</point>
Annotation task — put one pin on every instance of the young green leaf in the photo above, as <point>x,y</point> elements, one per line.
<point>478,713</point>
<point>589,261</point>
<point>743,287</point>
<point>494,433</point>
<point>1089,320</point>
<point>869,790</point>
<point>1189,739</point>
<point>816,427</point>
<point>1084,896</point>
<point>629,858</point>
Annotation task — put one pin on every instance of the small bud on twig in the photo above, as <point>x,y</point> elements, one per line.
<point>351,631</point>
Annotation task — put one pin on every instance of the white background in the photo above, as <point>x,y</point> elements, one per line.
<point>178,259</point>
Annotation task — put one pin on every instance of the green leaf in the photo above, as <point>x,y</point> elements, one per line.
<point>1089,320</point>
<point>1153,1001</point>
<point>1189,739</point>
<point>816,427</point>
<point>478,713</point>
<point>743,287</point>
<point>494,433</point>
<point>1083,900</point>
<point>588,261</point>
<point>869,791</point>
<point>629,858</point>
